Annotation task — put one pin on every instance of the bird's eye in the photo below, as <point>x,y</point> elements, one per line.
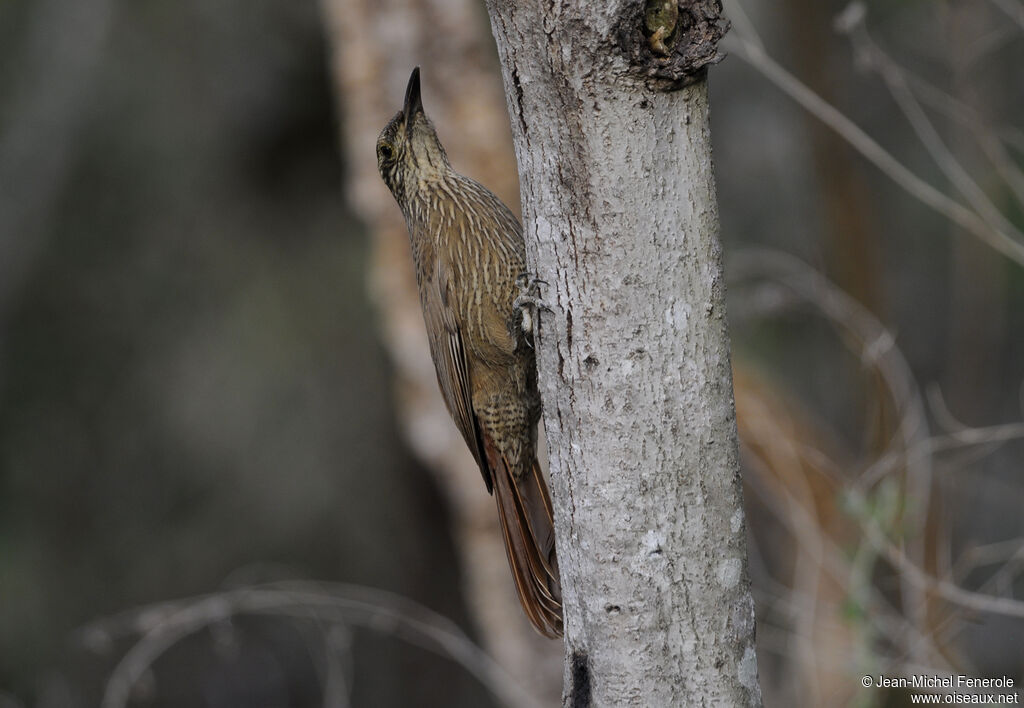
<point>386,151</point>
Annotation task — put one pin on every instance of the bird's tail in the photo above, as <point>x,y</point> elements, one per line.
<point>527,523</point>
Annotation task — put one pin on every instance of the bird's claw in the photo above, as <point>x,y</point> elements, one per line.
<point>527,281</point>
<point>528,301</point>
<point>529,293</point>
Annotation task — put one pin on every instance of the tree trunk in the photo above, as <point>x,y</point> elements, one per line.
<point>610,123</point>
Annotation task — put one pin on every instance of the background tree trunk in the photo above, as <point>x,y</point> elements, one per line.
<point>462,95</point>
<point>620,214</point>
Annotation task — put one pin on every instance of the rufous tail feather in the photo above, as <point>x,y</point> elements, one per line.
<point>527,523</point>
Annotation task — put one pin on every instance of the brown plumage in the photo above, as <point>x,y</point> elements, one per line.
<point>469,255</point>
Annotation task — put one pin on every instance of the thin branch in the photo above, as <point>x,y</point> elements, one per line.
<point>940,410</point>
<point>989,554</point>
<point>877,343</point>
<point>741,21</point>
<point>893,77</point>
<point>992,139</point>
<point>794,274</point>
<point>990,43</point>
<point>1007,553</point>
<point>992,436</point>
<point>884,617</point>
<point>338,660</point>
<point>951,592</point>
<point>815,290</point>
<point>758,59</point>
<point>1013,9</point>
<point>164,625</point>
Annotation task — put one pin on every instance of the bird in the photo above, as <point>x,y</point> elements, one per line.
<point>479,306</point>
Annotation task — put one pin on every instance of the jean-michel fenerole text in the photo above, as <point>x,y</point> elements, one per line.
<point>933,681</point>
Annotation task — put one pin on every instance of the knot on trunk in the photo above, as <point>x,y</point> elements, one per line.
<point>671,42</point>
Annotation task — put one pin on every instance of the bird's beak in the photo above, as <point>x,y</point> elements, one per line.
<point>413,102</point>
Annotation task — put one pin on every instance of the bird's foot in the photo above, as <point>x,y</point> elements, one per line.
<point>528,302</point>
<point>529,294</point>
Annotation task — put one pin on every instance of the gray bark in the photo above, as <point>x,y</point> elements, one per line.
<point>620,216</point>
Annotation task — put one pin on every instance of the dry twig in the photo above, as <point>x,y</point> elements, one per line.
<point>338,605</point>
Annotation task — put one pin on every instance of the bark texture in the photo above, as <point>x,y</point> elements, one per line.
<point>620,216</point>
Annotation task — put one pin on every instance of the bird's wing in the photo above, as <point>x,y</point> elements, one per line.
<point>449,353</point>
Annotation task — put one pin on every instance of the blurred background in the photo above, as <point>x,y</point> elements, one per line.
<point>226,478</point>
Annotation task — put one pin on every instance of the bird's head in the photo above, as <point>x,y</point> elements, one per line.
<point>408,151</point>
